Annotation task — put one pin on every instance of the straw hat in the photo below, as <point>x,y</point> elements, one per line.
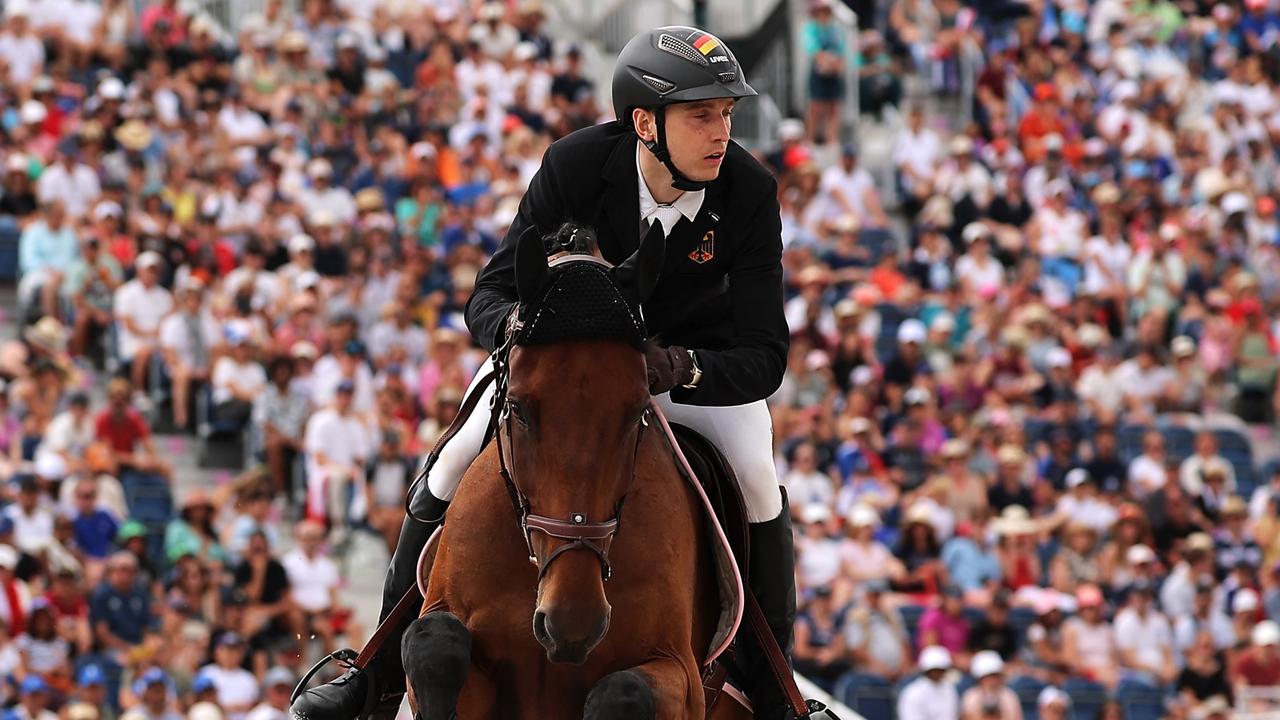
<point>134,135</point>
<point>47,334</point>
<point>1015,520</point>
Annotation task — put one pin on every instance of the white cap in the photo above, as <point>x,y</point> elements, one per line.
<point>301,243</point>
<point>1266,632</point>
<point>308,279</point>
<point>1245,600</point>
<point>149,258</point>
<point>1051,695</point>
<point>17,8</point>
<point>1235,202</point>
<point>237,332</point>
<point>319,167</point>
<point>911,331</point>
<point>51,466</point>
<point>917,396</point>
<point>1138,554</point>
<point>791,129</point>
<point>422,150</point>
<point>17,162</point>
<point>1057,187</point>
<point>1077,477</point>
<point>1053,141</point>
<point>975,231</point>
<point>815,513</point>
<point>1125,90</point>
<point>987,662</point>
<point>935,657</point>
<point>943,322</point>
<point>204,711</point>
<point>1058,357</point>
<point>862,515</point>
<point>107,209</point>
<point>525,51</point>
<point>1182,346</point>
<point>8,557</point>
<point>111,88</point>
<point>323,217</point>
<point>32,112</point>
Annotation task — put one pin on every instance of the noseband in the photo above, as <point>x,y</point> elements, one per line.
<point>576,528</point>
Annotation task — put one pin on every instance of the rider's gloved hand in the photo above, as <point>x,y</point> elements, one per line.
<point>668,367</point>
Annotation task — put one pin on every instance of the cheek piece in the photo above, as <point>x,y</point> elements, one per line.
<point>660,151</point>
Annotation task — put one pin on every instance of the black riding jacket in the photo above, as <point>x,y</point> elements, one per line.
<point>720,293</point>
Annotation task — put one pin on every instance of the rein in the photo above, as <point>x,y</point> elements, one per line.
<point>581,534</point>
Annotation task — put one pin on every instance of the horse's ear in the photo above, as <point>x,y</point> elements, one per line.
<point>638,275</point>
<point>531,264</point>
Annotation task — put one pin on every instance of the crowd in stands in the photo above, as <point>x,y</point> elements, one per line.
<point>1031,383</point>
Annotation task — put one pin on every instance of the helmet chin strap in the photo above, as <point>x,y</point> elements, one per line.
<point>659,149</point>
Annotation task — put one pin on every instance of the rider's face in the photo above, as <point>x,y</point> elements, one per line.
<point>697,136</point>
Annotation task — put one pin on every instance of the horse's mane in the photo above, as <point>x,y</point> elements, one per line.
<point>572,238</point>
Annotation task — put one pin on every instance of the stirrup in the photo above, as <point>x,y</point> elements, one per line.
<point>813,706</point>
<point>345,658</point>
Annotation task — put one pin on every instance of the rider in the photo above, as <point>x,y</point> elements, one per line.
<point>720,338</point>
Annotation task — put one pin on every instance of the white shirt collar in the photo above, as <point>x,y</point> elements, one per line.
<point>688,204</point>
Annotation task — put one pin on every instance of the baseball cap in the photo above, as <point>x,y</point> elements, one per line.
<point>916,396</point>
<point>1077,477</point>
<point>935,657</point>
<point>230,639</point>
<point>8,557</point>
<point>1245,600</point>
<point>51,466</point>
<point>911,331</point>
<point>345,386</point>
<point>863,516</point>
<point>1051,695</point>
<point>279,676</point>
<point>91,675</point>
<point>153,676</point>
<point>149,258</point>
<point>301,243</point>
<point>1089,596</point>
<point>1058,357</point>
<point>131,529</point>
<point>204,711</point>
<point>987,662</point>
<point>1139,554</point>
<point>1266,632</point>
<point>33,684</point>
<point>32,112</point>
<point>201,683</point>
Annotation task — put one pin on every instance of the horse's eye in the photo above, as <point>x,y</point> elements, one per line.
<point>517,412</point>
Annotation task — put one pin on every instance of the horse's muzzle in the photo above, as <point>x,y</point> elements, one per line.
<point>568,639</point>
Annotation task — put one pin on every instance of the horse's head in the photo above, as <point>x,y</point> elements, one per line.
<point>576,403</point>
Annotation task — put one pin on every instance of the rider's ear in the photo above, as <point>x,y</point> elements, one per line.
<point>531,264</point>
<point>638,274</point>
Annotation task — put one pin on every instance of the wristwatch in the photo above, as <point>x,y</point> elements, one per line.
<point>697,371</point>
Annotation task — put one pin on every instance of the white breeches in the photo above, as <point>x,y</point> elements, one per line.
<point>743,433</point>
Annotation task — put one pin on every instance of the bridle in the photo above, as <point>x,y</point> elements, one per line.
<point>576,529</point>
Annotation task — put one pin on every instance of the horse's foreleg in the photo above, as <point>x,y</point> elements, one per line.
<point>662,689</point>
<point>436,652</point>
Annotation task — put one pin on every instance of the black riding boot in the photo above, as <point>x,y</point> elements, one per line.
<point>375,693</point>
<point>773,581</point>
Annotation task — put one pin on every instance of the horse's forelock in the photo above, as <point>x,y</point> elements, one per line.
<point>573,239</point>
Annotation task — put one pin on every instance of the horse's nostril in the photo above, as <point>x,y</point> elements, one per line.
<point>541,632</point>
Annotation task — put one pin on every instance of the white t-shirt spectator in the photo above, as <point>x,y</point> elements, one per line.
<point>1146,475</point>
<point>146,308</point>
<point>241,124</point>
<point>918,151</point>
<point>811,488</point>
<point>311,580</point>
<point>852,185</point>
<point>24,56</point>
<point>1101,255</point>
<point>1149,638</point>
<point>924,699</point>
<point>174,336</point>
<point>1061,233</point>
<point>325,377</point>
<point>235,687</point>
<point>1090,511</point>
<point>31,532</point>
<point>385,335</point>
<point>81,22</point>
<point>337,200</point>
<point>1146,384</point>
<point>1101,386</point>
<point>817,561</point>
<point>980,277</point>
<point>77,187</point>
<point>246,376</point>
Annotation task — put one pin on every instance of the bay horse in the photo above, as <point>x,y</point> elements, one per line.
<point>573,577</point>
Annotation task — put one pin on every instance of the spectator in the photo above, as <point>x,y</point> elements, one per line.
<point>154,692</point>
<point>266,588</point>
<point>120,608</point>
<point>237,688</point>
<point>33,701</point>
<point>945,625</point>
<point>1089,644</point>
<point>187,339</point>
<point>1258,665</point>
<point>1053,704</point>
<point>336,443</point>
<point>874,635</point>
<point>990,698</point>
<point>238,379</point>
<point>278,685</point>
<point>313,577</point>
<point>820,638</point>
<point>1144,639</point>
<point>193,532</point>
<point>930,696</point>
<point>139,306</point>
<point>47,253</point>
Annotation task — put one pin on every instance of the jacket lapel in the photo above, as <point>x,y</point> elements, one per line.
<point>621,201</point>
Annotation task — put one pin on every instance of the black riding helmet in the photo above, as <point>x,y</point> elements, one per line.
<point>672,65</point>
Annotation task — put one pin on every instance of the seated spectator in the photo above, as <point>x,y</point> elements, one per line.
<point>930,696</point>
<point>192,532</point>
<point>1144,639</point>
<point>238,379</point>
<point>265,584</point>
<point>1016,549</point>
<point>313,581</point>
<point>1042,652</point>
<point>818,550</point>
<point>1204,672</point>
<point>95,528</point>
<point>188,337</point>
<point>1193,470</point>
<point>1234,544</point>
<point>990,698</point>
<point>1082,503</point>
<point>993,631</point>
<point>45,653</point>
<point>139,306</point>
<point>1089,647</point>
<point>863,558</point>
<point>237,688</point>
<point>155,696</point>
<point>1053,704</point>
<point>277,687</point>
<point>120,607</point>
<point>945,624</point>
<point>971,561</point>
<point>33,701</point>
<point>1194,569</point>
<point>1076,562</point>
<point>32,518</point>
<point>1129,531</point>
<point>337,446</point>
<point>280,414</point>
<point>390,474</point>
<point>874,635</point>
<point>820,651</point>
<point>1147,471</point>
<point>920,553</point>
<point>126,433</point>
<point>1257,665</point>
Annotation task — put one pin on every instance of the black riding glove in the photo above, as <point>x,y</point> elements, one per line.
<point>668,367</point>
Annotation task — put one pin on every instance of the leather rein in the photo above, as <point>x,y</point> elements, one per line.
<point>579,532</point>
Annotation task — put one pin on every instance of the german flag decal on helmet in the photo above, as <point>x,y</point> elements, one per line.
<point>706,43</point>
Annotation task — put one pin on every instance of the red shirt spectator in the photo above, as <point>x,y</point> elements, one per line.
<point>122,431</point>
